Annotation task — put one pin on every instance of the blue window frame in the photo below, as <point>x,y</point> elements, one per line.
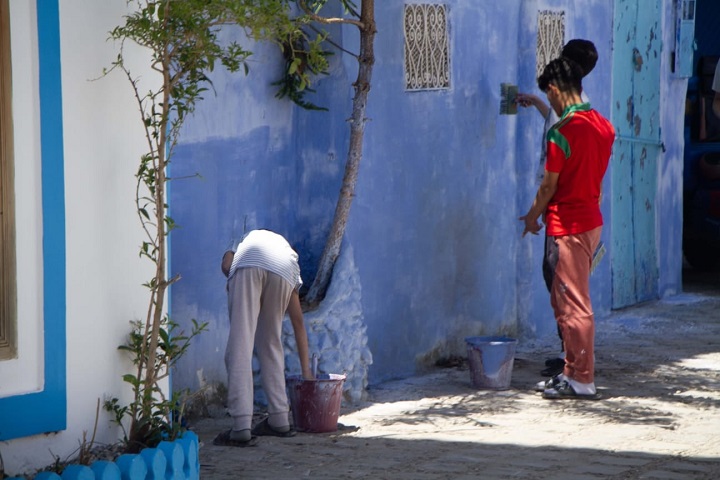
<point>46,411</point>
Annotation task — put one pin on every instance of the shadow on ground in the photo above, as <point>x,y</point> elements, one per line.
<point>658,368</point>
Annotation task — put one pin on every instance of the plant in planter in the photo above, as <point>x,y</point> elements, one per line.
<point>182,39</point>
<point>163,418</point>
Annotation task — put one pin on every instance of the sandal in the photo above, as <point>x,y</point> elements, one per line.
<point>543,385</point>
<point>564,390</point>
<point>223,440</point>
<point>264,429</point>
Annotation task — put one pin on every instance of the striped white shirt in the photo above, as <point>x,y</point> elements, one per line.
<point>269,251</point>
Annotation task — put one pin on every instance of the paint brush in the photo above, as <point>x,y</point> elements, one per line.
<point>508,99</point>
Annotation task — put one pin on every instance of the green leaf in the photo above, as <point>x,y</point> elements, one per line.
<point>131,379</point>
<point>294,66</point>
<point>164,337</point>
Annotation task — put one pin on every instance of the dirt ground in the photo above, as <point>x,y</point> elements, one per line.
<point>658,368</point>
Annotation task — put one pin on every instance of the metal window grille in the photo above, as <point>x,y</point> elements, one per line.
<point>550,38</point>
<point>427,59</point>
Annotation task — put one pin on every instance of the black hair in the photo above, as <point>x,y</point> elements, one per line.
<point>562,72</point>
<point>582,52</point>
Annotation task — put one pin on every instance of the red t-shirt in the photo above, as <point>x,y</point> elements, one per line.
<point>578,150</point>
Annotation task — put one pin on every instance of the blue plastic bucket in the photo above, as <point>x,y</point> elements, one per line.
<point>491,361</point>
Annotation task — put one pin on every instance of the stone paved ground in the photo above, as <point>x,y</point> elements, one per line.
<point>658,367</point>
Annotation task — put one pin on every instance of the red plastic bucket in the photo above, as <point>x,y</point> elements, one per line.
<point>315,404</point>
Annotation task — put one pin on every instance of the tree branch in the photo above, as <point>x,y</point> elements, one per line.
<point>329,40</point>
<point>329,20</point>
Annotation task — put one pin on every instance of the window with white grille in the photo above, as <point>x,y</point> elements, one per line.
<point>427,59</point>
<point>550,38</point>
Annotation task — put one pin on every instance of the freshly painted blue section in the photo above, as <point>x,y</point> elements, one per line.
<point>45,411</point>
<point>251,176</point>
<point>211,211</point>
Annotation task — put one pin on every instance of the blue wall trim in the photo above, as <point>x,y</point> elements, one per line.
<point>46,411</point>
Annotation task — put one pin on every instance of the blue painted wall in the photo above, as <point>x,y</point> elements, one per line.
<point>435,220</point>
<point>263,164</point>
<point>669,202</point>
<point>443,180</point>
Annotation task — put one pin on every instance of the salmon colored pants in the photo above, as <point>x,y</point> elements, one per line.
<point>570,300</point>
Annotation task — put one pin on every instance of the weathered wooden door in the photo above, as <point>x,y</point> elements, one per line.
<point>637,50</point>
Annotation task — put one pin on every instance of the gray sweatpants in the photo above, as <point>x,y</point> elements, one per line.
<point>257,301</point>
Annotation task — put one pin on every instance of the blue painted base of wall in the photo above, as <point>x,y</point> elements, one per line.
<point>177,460</point>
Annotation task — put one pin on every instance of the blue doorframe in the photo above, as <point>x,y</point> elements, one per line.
<point>46,411</point>
<point>637,51</point>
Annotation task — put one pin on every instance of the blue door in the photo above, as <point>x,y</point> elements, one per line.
<point>637,50</point>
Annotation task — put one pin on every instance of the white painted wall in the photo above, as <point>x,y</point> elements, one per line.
<point>103,141</point>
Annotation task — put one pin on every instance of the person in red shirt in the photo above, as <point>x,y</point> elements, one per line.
<point>579,146</point>
<point>585,54</point>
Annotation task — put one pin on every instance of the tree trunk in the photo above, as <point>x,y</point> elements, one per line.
<point>139,430</point>
<point>366,61</point>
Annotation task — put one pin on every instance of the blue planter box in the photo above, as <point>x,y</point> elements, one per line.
<point>177,460</point>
